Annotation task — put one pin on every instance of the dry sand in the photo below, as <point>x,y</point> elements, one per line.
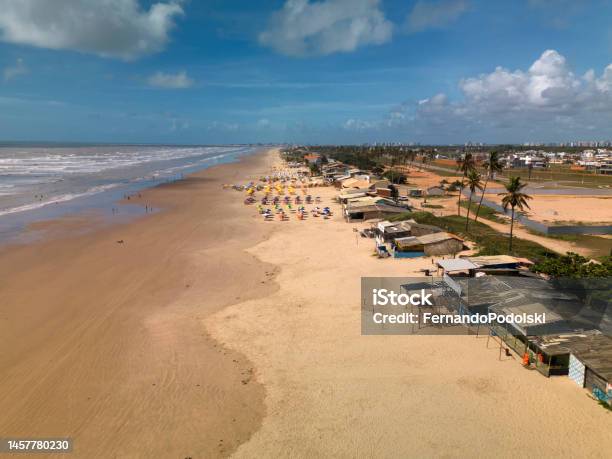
<point>587,209</point>
<point>331,392</point>
<point>567,209</point>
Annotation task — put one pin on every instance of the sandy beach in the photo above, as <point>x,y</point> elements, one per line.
<point>103,342</point>
<point>210,332</point>
<point>332,392</point>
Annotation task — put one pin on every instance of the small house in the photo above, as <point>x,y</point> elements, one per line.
<point>389,231</point>
<point>376,184</point>
<point>440,243</point>
<point>313,158</point>
<point>370,211</point>
<point>350,194</point>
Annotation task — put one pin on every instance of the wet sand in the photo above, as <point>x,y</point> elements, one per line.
<point>103,341</point>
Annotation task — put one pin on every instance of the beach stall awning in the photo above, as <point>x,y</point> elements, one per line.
<point>456,264</point>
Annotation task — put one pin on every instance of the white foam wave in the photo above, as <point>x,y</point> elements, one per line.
<point>58,199</point>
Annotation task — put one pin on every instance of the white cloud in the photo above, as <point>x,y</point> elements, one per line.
<point>170,80</point>
<point>13,71</point>
<point>434,14</point>
<point>110,28</point>
<point>548,101</point>
<point>360,125</point>
<point>548,97</point>
<point>303,28</point>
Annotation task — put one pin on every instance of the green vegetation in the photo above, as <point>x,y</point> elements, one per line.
<point>492,166</point>
<point>488,213</point>
<point>577,275</point>
<point>489,241</point>
<point>394,192</point>
<point>575,266</point>
<point>514,198</point>
<point>432,206</point>
<point>465,165</point>
<point>395,177</point>
<point>474,183</point>
<point>454,186</point>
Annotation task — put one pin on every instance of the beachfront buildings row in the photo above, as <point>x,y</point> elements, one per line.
<point>576,338</point>
<point>363,198</point>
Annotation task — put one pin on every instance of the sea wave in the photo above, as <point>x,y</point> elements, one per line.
<point>60,163</point>
<point>57,199</point>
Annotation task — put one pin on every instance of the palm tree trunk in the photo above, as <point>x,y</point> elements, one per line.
<point>484,189</point>
<point>459,202</point>
<point>467,218</point>
<point>511,230</point>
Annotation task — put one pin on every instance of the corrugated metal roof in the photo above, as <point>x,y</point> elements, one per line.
<point>456,264</point>
<point>403,242</point>
<point>437,237</point>
<point>375,208</point>
<point>398,228</point>
<point>491,260</point>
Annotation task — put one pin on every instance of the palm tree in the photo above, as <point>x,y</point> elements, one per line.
<point>493,166</point>
<point>473,182</point>
<point>514,198</point>
<point>464,165</point>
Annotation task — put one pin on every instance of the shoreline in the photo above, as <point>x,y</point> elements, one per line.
<point>107,337</point>
<point>106,197</point>
<point>211,332</point>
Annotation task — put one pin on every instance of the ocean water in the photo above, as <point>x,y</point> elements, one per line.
<point>43,182</point>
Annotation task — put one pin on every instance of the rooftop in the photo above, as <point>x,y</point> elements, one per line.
<point>437,237</point>
<point>492,260</point>
<point>383,208</point>
<point>456,264</point>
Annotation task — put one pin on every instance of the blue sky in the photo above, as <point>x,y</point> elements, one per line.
<point>330,71</point>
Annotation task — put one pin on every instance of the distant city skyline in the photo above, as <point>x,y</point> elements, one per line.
<point>302,71</point>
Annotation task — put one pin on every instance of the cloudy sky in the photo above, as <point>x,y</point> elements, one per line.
<point>326,71</point>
